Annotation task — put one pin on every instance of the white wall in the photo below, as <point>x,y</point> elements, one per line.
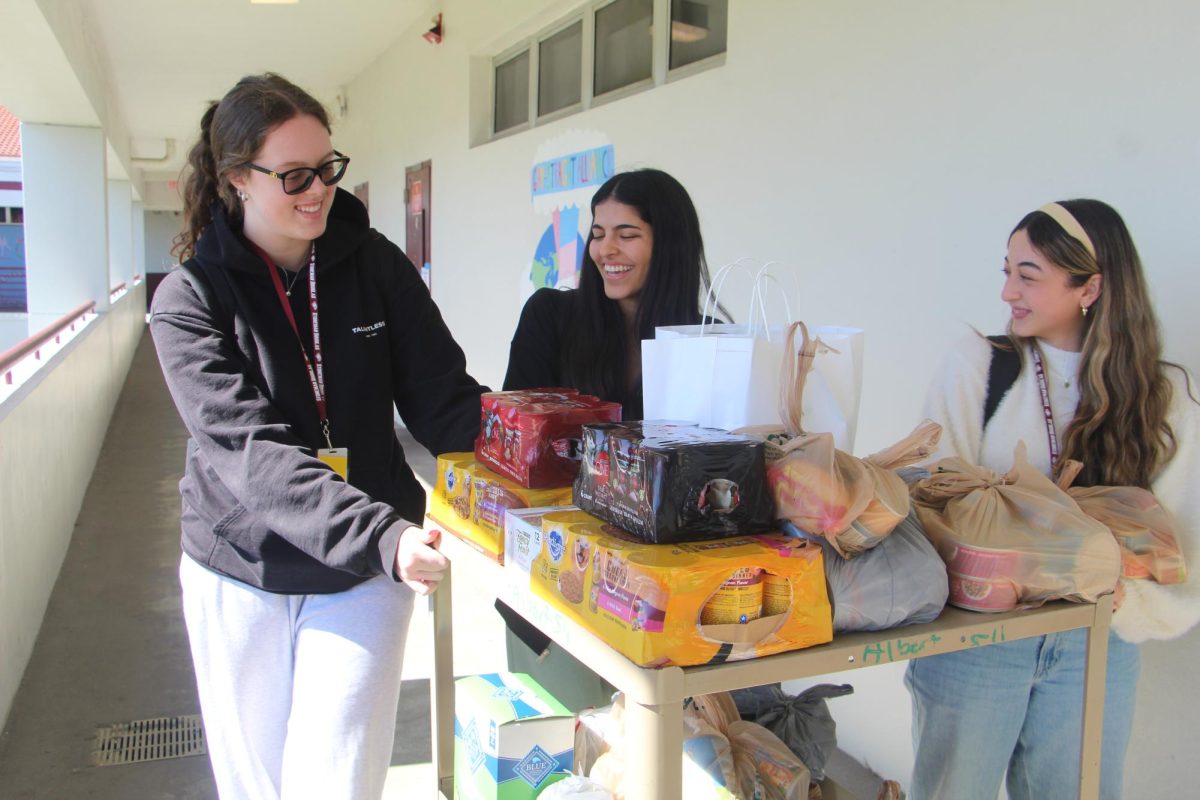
<point>161,228</point>
<point>66,221</point>
<point>882,151</point>
<point>120,233</point>
<point>52,429</point>
<point>14,328</point>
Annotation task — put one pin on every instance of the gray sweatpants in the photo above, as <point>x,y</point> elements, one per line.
<point>298,692</point>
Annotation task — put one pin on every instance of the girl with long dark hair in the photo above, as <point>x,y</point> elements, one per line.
<point>643,267</point>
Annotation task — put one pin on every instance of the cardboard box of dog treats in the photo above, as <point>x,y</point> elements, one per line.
<point>471,500</point>
<point>686,603</point>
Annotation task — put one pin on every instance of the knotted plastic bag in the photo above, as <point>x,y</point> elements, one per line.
<point>1014,539</point>
<point>802,722</point>
<point>1144,530</point>
<point>902,581</point>
<point>765,766</point>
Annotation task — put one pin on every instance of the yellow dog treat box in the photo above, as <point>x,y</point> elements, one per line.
<point>685,603</point>
<point>471,500</point>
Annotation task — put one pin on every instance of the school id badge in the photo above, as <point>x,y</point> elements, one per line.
<point>338,459</point>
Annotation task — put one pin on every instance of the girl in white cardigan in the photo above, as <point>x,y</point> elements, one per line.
<point>1092,387</point>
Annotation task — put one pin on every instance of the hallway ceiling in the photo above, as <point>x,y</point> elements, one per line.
<point>166,59</point>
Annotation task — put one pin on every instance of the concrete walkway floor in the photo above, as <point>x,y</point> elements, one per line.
<point>112,647</point>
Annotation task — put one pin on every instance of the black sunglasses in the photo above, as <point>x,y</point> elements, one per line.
<point>297,180</point>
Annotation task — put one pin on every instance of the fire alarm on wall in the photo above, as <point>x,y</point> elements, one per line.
<point>434,34</point>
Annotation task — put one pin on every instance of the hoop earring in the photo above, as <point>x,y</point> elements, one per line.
<point>244,197</point>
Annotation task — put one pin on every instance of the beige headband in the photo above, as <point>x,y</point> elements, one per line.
<point>1068,223</point>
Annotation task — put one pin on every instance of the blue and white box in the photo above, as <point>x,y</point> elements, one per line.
<point>512,739</point>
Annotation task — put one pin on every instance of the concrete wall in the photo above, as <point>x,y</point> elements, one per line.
<point>52,429</point>
<point>881,152</point>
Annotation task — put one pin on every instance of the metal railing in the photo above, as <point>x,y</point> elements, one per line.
<point>34,344</point>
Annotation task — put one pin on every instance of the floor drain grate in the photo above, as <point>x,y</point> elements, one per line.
<point>148,740</point>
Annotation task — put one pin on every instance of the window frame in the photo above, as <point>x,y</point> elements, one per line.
<point>542,37</point>
<point>505,57</point>
<point>585,14</point>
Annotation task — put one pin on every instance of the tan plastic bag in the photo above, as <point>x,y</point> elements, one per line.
<point>765,766</point>
<point>597,731</point>
<point>1014,539</point>
<point>718,709</point>
<point>890,503</point>
<point>708,766</point>
<point>707,757</point>
<point>1144,530</point>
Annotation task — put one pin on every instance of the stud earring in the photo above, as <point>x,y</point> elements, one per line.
<point>1083,310</point>
<point>244,197</point>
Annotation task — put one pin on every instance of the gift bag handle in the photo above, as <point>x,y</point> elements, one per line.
<point>793,375</point>
<point>712,298</point>
<point>758,297</point>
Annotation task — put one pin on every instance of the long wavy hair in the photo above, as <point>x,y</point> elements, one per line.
<point>595,358</point>
<point>1120,431</point>
<point>231,132</point>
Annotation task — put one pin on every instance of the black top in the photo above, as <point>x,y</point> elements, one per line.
<point>535,359</point>
<point>257,505</point>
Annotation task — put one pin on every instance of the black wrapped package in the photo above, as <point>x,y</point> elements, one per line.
<point>674,482</point>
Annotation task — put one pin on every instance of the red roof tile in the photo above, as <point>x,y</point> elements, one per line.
<point>10,134</point>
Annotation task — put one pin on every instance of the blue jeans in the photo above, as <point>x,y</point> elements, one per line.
<point>1017,707</point>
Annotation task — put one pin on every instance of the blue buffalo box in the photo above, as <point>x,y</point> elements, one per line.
<point>512,739</point>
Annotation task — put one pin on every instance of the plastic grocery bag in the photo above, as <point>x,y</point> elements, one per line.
<point>597,731</point>
<point>902,581</point>
<point>802,722</point>
<point>1144,530</point>
<point>718,709</point>
<point>805,725</point>
<point>707,756</point>
<point>575,787</point>
<point>1014,539</point>
<point>819,488</point>
<point>766,768</point>
<point>708,769</point>
<point>890,503</point>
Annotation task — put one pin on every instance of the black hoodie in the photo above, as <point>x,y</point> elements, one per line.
<point>257,504</point>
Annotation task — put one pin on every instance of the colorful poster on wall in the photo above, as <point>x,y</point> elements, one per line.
<point>566,172</point>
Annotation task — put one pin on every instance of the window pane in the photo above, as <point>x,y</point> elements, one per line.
<point>697,30</point>
<point>623,44</point>
<point>512,92</point>
<point>560,71</point>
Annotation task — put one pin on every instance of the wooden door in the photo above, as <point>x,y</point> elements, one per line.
<point>417,207</point>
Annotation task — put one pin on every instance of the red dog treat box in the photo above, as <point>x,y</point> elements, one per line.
<point>533,436</point>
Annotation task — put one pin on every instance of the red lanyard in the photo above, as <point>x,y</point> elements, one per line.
<point>316,376</point>
<point>1051,436</point>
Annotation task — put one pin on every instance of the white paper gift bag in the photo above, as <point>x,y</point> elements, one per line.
<point>727,376</point>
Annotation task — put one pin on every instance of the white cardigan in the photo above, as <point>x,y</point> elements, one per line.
<point>955,400</point>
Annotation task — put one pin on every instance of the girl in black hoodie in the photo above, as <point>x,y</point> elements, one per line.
<point>288,338</point>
